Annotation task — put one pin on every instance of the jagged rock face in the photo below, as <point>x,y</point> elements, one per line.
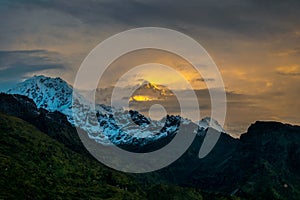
<point>105,124</point>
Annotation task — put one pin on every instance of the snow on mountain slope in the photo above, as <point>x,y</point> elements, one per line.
<point>209,122</point>
<point>148,91</point>
<point>106,125</point>
<point>52,94</point>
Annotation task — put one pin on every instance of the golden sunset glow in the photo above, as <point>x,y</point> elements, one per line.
<point>183,72</point>
<point>140,98</point>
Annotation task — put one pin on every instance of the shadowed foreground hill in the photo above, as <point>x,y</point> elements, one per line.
<point>35,166</point>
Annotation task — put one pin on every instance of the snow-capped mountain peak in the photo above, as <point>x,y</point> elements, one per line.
<point>52,94</point>
<point>209,122</point>
<point>149,91</point>
<point>104,124</point>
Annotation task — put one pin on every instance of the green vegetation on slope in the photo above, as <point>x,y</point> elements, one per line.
<point>34,166</point>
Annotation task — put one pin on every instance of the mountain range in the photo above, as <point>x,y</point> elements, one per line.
<point>118,126</point>
<point>37,131</point>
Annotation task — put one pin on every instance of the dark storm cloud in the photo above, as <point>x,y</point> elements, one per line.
<point>14,65</point>
<point>244,17</point>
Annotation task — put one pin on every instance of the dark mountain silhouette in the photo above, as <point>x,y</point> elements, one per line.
<point>54,124</point>
<point>41,157</point>
<point>262,164</point>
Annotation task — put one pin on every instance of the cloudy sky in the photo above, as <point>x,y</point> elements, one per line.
<point>255,44</point>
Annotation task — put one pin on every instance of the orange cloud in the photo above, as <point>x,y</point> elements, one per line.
<point>292,70</point>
